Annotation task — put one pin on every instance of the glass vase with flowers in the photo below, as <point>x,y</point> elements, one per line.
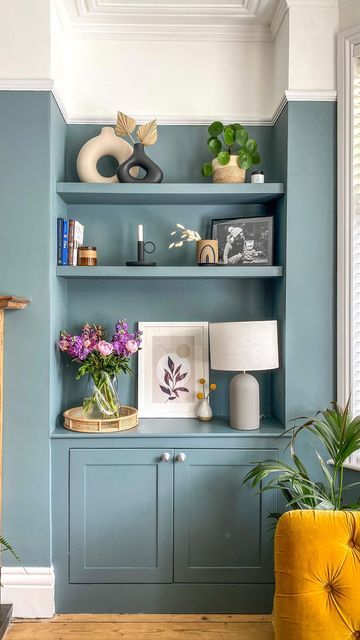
<point>102,361</point>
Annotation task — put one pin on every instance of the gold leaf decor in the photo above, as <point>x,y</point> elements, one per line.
<point>124,125</point>
<point>147,133</point>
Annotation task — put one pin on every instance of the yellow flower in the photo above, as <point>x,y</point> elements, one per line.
<point>200,396</point>
<point>213,386</point>
<point>202,380</point>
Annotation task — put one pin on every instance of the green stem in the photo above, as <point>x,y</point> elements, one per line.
<point>341,480</point>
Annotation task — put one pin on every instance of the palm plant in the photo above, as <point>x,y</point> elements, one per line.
<point>339,434</point>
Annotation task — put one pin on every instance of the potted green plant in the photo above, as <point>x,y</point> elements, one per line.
<point>339,434</point>
<point>233,150</point>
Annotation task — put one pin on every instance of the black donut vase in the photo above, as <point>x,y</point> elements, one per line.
<point>139,159</point>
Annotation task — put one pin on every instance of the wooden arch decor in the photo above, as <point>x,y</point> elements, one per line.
<point>6,302</point>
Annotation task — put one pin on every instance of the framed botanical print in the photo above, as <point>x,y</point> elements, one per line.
<point>174,356</point>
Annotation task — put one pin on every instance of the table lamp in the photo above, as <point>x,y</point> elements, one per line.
<point>244,346</point>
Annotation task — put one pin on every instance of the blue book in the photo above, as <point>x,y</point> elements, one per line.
<point>60,227</point>
<point>64,252</point>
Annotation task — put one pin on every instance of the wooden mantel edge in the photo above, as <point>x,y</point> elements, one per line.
<point>13,302</point>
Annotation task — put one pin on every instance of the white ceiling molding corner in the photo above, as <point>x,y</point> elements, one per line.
<point>278,17</point>
<point>184,20</point>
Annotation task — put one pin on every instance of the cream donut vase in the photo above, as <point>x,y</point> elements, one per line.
<point>105,144</point>
<point>230,172</point>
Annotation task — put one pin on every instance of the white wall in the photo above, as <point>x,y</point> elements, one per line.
<point>25,39</point>
<point>312,49</point>
<point>281,63</point>
<point>176,80</point>
<point>349,14</point>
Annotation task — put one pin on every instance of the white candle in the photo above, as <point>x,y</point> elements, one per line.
<point>140,233</point>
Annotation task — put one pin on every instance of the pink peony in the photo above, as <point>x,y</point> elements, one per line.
<point>131,346</point>
<point>105,348</point>
<point>64,345</point>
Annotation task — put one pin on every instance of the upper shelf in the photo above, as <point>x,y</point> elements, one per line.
<point>166,193</point>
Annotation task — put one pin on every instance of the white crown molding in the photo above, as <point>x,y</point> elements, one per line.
<point>237,9</point>
<point>179,33</point>
<point>278,17</point>
<point>30,590</point>
<point>163,21</point>
<point>297,95</point>
<point>279,109</point>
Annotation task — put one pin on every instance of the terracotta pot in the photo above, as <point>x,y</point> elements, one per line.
<point>228,173</point>
<point>207,252</point>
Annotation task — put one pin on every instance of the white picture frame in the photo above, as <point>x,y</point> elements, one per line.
<point>168,388</point>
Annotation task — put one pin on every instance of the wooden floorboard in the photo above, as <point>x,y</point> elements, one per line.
<point>144,627</point>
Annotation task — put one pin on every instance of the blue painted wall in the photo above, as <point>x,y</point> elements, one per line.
<point>36,150</point>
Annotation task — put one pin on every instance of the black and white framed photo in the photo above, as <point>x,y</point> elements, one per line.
<point>244,241</point>
<point>173,357</point>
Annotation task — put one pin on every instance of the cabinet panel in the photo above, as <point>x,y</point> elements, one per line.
<point>221,529</point>
<point>120,516</point>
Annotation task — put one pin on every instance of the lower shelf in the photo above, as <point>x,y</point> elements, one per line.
<point>181,427</point>
<point>170,272</point>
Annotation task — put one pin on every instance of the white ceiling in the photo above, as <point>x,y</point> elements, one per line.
<point>232,20</point>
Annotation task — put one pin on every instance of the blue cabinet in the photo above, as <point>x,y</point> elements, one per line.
<point>121,516</point>
<point>220,530</point>
<point>135,531</point>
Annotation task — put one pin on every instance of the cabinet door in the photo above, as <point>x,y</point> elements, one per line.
<point>221,528</point>
<point>121,516</point>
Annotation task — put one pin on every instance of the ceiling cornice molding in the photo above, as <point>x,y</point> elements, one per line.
<point>278,17</point>
<point>98,19</point>
<point>183,33</point>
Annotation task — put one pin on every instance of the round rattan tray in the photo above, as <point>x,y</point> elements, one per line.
<point>75,420</point>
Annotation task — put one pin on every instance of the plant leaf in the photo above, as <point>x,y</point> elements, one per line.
<point>229,136</point>
<point>223,158</point>
<point>170,364</point>
<point>147,133</point>
<point>242,136</point>
<point>180,376</point>
<point>125,125</point>
<point>244,160</point>
<point>214,145</point>
<point>184,389</point>
<point>255,157</point>
<point>216,128</point>
<point>164,389</point>
<point>207,170</point>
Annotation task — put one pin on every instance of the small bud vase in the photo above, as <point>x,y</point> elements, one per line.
<point>102,398</point>
<point>204,413</point>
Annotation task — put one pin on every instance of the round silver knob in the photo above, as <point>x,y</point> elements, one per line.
<point>165,457</point>
<point>181,457</point>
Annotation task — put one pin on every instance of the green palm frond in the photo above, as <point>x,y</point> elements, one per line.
<point>339,434</point>
<point>5,546</point>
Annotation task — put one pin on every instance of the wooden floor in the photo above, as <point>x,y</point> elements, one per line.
<point>144,627</point>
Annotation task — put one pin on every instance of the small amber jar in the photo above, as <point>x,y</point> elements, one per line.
<point>87,257</point>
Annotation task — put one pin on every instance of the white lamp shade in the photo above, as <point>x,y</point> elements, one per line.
<point>244,346</point>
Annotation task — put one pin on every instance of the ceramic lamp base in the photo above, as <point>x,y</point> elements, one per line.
<point>244,402</point>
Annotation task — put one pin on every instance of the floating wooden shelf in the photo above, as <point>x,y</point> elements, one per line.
<point>13,302</point>
<point>170,272</point>
<point>167,193</point>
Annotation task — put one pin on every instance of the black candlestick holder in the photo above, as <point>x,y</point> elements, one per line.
<point>141,250</point>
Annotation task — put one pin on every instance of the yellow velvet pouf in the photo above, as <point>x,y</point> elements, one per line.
<point>317,573</point>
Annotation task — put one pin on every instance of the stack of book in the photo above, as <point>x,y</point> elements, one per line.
<point>70,236</point>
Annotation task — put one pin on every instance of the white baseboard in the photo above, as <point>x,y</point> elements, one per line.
<point>31,591</point>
